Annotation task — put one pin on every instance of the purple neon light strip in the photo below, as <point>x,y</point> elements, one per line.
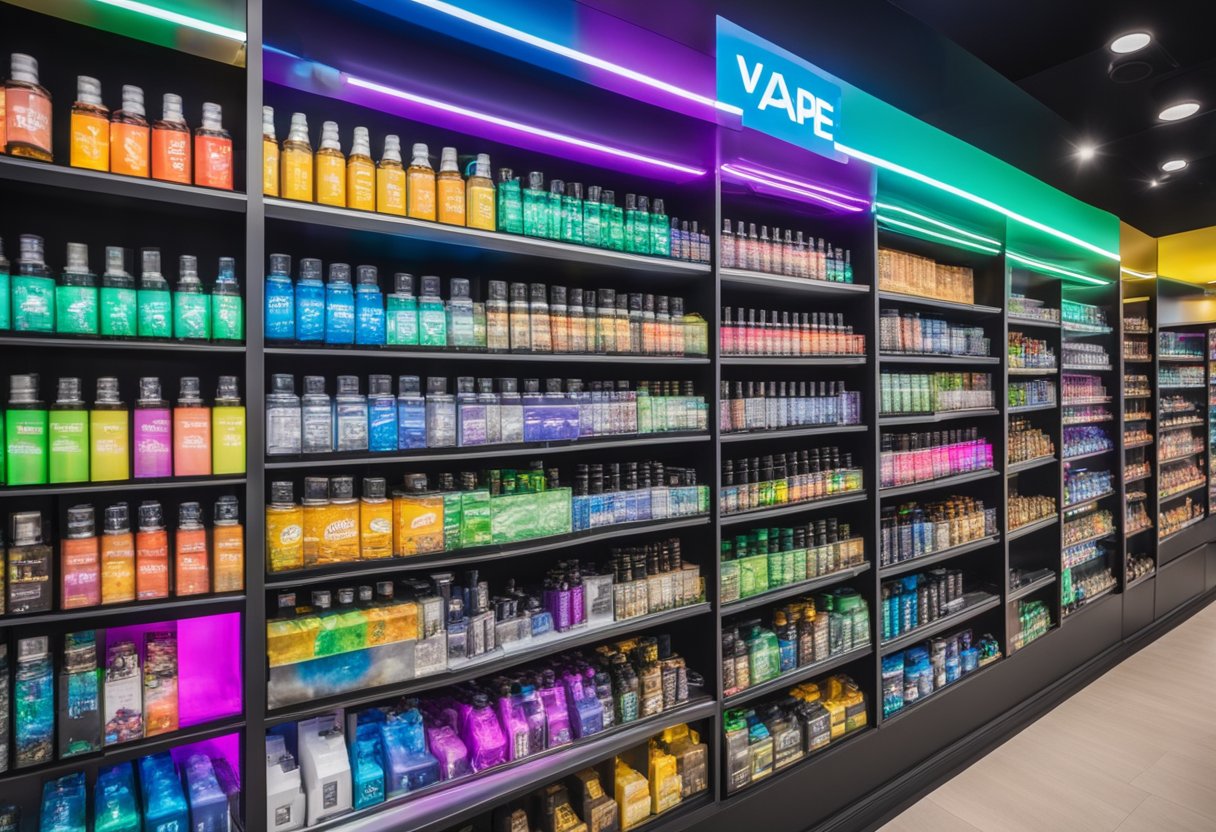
<point>802,192</point>
<point>520,127</point>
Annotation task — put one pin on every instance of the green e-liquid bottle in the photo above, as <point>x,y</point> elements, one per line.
<point>68,429</point>
<point>191,310</point>
<point>33,288</point>
<point>227,306</point>
<point>510,211</point>
<point>119,303</point>
<point>6,310</point>
<point>155,304</point>
<point>536,206</point>
<point>591,217</point>
<point>25,432</point>
<point>76,295</point>
<point>557,194</point>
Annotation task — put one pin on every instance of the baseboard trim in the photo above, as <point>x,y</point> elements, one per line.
<point>895,796</point>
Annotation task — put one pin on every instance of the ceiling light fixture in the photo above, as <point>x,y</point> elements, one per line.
<point>1179,111</point>
<point>1131,42</point>
<point>1153,183</point>
<point>1086,152</point>
<point>1173,165</point>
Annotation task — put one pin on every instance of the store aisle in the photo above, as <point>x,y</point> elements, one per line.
<point>1135,751</point>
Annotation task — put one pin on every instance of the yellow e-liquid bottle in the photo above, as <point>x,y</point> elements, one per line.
<point>270,154</point>
<point>331,167</point>
<point>296,157</point>
<point>479,195</point>
<point>450,185</point>
<point>390,179</point>
<point>361,173</point>
<point>109,435</point>
<point>420,185</point>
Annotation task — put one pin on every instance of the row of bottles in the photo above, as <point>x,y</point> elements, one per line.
<point>32,300</point>
<point>777,405</point>
<point>791,255</point>
<point>787,333</point>
<point>68,441</point>
<point>764,559</point>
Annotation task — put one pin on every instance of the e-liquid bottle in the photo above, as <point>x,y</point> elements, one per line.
<point>390,179</point>
<point>449,184</point>
<point>339,306</point>
<point>191,309</point>
<point>151,553</point>
<point>375,520</point>
<point>660,230</point>
<point>227,306</point>
<point>317,417</point>
<point>616,225</point>
<point>90,124</point>
<point>460,315</point>
<point>191,560</point>
<point>33,299</point>
<point>27,130</point>
<point>118,301</point>
<point>155,304</point>
<point>270,154</point>
<point>284,529</point>
<point>553,209</point>
<point>191,432</point>
<point>68,429</point>
<point>310,302</point>
<point>361,173</point>
<point>440,414</point>
<point>280,300</point>
<point>228,428</point>
<point>171,143</point>
<point>350,416</point>
<point>536,206</point>
<point>331,167</point>
<point>228,545</point>
<point>510,208</point>
<point>369,307</point>
<point>129,135</point>
<point>80,560</point>
<point>76,295</point>
<point>117,556</point>
<point>109,435</point>
<point>296,179</point>
<point>381,414</point>
<point>479,195</point>
<point>401,319</point>
<point>521,335</point>
<point>420,185</point>
<point>432,318</point>
<point>592,228</point>
<point>498,328</point>
<point>153,432</point>
<point>411,414</point>
<point>572,213</point>
<point>283,427</point>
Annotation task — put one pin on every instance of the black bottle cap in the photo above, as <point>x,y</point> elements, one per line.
<point>310,269</point>
<point>118,518</point>
<point>282,493</point>
<point>375,488</point>
<point>227,510</point>
<point>81,522</point>
<point>367,276</point>
<point>339,272</point>
<point>151,516</point>
<point>342,488</point>
<point>403,283</point>
<point>280,264</point>
<point>188,514</point>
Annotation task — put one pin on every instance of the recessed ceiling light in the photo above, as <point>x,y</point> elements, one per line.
<point>1131,42</point>
<point>1173,165</point>
<point>1086,152</point>
<point>1153,183</point>
<point>1182,110</point>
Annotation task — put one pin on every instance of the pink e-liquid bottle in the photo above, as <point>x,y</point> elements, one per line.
<point>153,432</point>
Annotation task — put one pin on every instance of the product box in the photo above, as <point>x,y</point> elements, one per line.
<point>123,699</point>
<point>598,599</point>
<point>452,518</point>
<point>417,523</point>
<point>665,788</point>
<point>208,803</point>
<point>692,759</point>
<point>598,809</point>
<point>516,517</point>
<point>79,696</point>
<point>164,803</point>
<point>556,813</point>
<point>632,795</point>
<point>342,673</point>
<point>34,703</point>
<point>475,525</point>
<point>63,804</point>
<point>737,754</point>
<point>114,803</point>
<point>160,683</point>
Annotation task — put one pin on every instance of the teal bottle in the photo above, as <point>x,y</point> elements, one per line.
<point>510,208</point>
<point>76,295</point>
<point>555,214</point>
<point>155,303</point>
<point>118,300</point>
<point>612,219</point>
<point>572,213</point>
<point>33,288</point>
<point>227,305</point>
<point>191,308</point>
<point>401,317</point>
<point>591,217</point>
<point>660,230</point>
<point>536,206</point>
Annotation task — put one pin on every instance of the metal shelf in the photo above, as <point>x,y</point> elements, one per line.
<point>790,590</point>
<point>1030,528</point>
<point>912,564</point>
<point>139,612</point>
<point>791,433</point>
<point>934,303</point>
<point>948,416</point>
<point>1166,358</point>
<point>1169,428</point>
<point>125,485</point>
<point>1087,502</point>
<point>1167,497</point>
<point>497,357</point>
<point>791,360</point>
<point>747,279</point>
<point>1017,320</point>
<point>54,342</point>
<point>1087,368</point>
<point>944,482</point>
<point>1031,588</point>
<point>1180,457</point>
<point>934,358</point>
<point>788,680</point>
<point>1030,464</point>
<point>1033,371</point>
<point>1032,408</point>
<point>980,602</point>
<point>755,514</point>
<point>1088,539</point>
<point>1091,454</point>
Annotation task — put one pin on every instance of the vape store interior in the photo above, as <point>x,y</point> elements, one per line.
<point>606,416</point>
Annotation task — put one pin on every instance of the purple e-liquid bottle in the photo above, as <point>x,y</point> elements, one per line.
<point>153,432</point>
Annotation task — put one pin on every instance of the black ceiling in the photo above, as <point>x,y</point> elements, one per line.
<point>1056,51</point>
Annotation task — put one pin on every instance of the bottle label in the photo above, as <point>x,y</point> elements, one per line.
<point>69,446</point>
<point>339,320</point>
<point>213,162</point>
<point>153,444</point>
<point>128,149</point>
<point>331,181</point>
<point>191,317</point>
<point>280,311</point>
<point>402,323</point>
<point>270,167</point>
<point>109,446</point>
<point>310,313</point>
<point>25,450</point>
<point>28,119</point>
<point>228,440</point>
<point>421,202</point>
<point>370,319</point>
<point>193,574</point>
<point>155,311</point>
<point>118,312</point>
<point>361,187</point>
<point>390,191</point>
<point>297,175</point>
<point>433,327</point>
<point>90,142</point>
<point>76,310</point>
<point>228,317</point>
<point>33,304</point>
<point>81,573</point>
<point>481,208</point>
<point>171,156</point>
<point>151,565</point>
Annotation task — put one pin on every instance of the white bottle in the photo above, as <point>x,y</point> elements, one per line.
<point>325,767</point>
<point>284,790</point>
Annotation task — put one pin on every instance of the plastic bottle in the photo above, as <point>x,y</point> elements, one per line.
<point>297,163</point>
<point>369,307</point>
<point>213,150</point>
<point>33,288</point>
<point>191,563</point>
<point>536,206</point>
<point>117,557</point>
<point>390,179</point>
<point>171,143</point>
<point>227,306</point>
<point>420,185</point>
<point>317,417</point>
<point>27,126</point>
<point>283,429</point>
<point>381,414</point>
<point>228,429</point>
<point>191,432</point>
<point>151,553</point>
<point>350,416</point>
<point>153,432</point>
<point>129,135</point>
<point>109,435</point>
<point>480,206</point>
<point>228,546</point>
<point>284,529</point>
<point>339,306</point>
<point>80,560</point>
<point>310,302</point>
<point>411,414</point>
<point>401,319</point>
<point>270,154</point>
<point>432,319</point>
<point>90,124</point>
<point>460,315</point>
<point>68,429</point>
<point>76,295</point>
<point>509,212</point>
<point>450,196</point>
<point>375,520</point>
<point>118,301</point>
<point>191,308</point>
<point>361,173</point>
<point>155,303</point>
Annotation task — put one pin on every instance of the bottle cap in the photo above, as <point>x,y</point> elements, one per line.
<point>339,273</point>
<point>531,386</point>
<point>316,490</point>
<point>298,131</point>
<point>69,391</point>
<point>213,116</point>
<point>348,385</point>
<point>519,292</point>
<point>227,511</point>
<point>189,514</point>
<point>346,595</point>
<point>88,90</point>
<point>282,493</point>
<point>133,99</point>
<point>171,110</point>
<point>151,516</point>
<point>557,187</point>
<point>505,174</point>
<point>310,269</point>
<point>392,149</point>
<point>380,385</point>
<point>329,136</point>
<point>631,202</point>
<point>23,68</point>
<point>498,290</point>
<point>374,488</point>
<point>644,204</point>
<point>574,189</point>
<point>149,259</point>
<point>436,385</point>
<point>32,249</point>
<point>464,385</point>
<point>384,589</point>
<point>608,198</point>
<point>116,261</point>
<point>107,390</point>
<point>187,268</point>
<point>537,292</point>
<point>118,519</point>
<point>280,383</point>
<point>593,193</point>
<point>361,144</point>
<point>430,284</point>
<point>421,155</point>
<point>228,389</point>
<point>536,180</point>
<point>403,283</point>
<point>557,295</point>
<point>77,258</point>
<point>408,385</point>
<point>447,161</point>
<point>459,288</point>
<point>81,522</point>
<point>482,168</point>
<point>149,389</point>
<point>321,599</point>
<point>314,385</point>
<point>267,121</point>
<point>659,207</point>
<point>226,271</point>
<point>23,389</point>
<point>26,528</point>
<point>367,276</point>
<point>342,488</point>
<point>485,385</point>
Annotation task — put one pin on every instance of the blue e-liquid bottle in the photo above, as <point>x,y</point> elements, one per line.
<point>411,414</point>
<point>280,300</point>
<point>310,302</point>
<point>369,307</point>
<point>339,306</point>
<point>381,414</point>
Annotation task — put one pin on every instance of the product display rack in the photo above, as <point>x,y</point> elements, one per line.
<point>206,220</point>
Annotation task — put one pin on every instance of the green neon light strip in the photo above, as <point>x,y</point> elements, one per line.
<point>978,200</point>
<point>1039,265</point>
<point>956,241</point>
<point>955,229</point>
<point>179,19</point>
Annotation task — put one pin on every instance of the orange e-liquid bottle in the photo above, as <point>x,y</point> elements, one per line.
<point>228,545</point>
<point>151,553</point>
<point>171,143</point>
<point>390,179</point>
<point>90,127</point>
<point>117,557</point>
<point>81,560</point>
<point>129,135</point>
<point>27,111</point>
<point>213,150</point>
<point>191,432</point>
<point>191,563</point>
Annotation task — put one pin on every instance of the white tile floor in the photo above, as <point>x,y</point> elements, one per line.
<point>1135,751</point>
